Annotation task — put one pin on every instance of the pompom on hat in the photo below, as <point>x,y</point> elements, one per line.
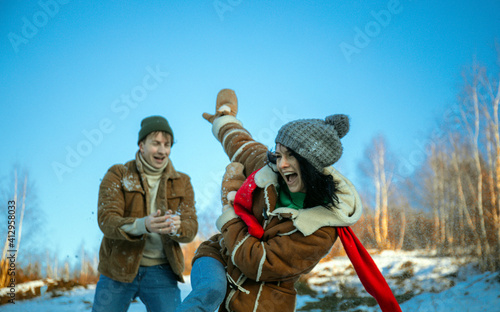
<point>317,140</point>
<point>152,124</point>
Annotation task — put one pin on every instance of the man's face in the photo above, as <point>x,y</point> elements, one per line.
<point>155,149</point>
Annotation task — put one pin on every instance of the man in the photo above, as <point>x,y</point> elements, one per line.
<point>145,209</point>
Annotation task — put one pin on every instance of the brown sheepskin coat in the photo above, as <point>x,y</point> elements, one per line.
<point>123,197</point>
<point>262,272</point>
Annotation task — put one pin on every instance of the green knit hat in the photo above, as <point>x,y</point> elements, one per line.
<point>318,141</point>
<point>154,123</point>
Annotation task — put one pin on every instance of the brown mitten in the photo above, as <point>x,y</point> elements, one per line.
<point>231,182</point>
<point>226,104</point>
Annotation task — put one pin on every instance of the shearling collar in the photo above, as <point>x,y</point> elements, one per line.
<point>169,172</point>
<point>309,220</point>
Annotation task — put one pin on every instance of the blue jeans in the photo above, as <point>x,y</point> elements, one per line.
<point>156,286</point>
<point>208,282</point>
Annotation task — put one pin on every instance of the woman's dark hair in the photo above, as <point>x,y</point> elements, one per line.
<point>321,189</point>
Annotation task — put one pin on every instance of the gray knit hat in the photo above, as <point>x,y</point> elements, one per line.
<point>154,123</point>
<point>318,141</point>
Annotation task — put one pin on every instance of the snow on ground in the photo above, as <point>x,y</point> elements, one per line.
<point>432,283</point>
<point>435,284</point>
<point>404,272</point>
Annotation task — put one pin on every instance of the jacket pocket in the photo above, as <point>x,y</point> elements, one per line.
<point>173,203</point>
<point>267,297</point>
<point>124,255</point>
<point>175,193</point>
<point>276,299</point>
<point>135,205</point>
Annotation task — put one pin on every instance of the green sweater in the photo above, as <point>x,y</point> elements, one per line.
<point>290,200</point>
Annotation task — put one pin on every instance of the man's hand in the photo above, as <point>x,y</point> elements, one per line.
<point>226,104</point>
<point>166,224</point>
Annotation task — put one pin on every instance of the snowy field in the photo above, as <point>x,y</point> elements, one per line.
<point>434,284</point>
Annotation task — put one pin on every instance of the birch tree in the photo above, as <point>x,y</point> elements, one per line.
<point>472,110</point>
<point>381,173</point>
<point>18,189</point>
<point>491,100</point>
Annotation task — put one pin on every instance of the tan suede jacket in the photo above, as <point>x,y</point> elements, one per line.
<point>262,272</point>
<point>123,197</point>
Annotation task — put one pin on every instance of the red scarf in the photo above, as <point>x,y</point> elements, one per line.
<point>365,267</point>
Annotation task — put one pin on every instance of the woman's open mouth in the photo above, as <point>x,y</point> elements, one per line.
<point>290,177</point>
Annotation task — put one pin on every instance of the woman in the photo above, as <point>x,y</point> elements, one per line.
<point>283,218</point>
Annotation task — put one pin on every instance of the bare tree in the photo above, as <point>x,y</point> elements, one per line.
<point>381,171</point>
<point>18,191</point>
<point>491,100</point>
<point>473,107</point>
<point>462,177</point>
<point>458,184</point>
<point>13,237</point>
<point>437,182</point>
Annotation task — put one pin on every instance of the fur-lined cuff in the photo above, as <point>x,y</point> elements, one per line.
<point>224,108</point>
<point>221,122</point>
<point>226,216</point>
<point>266,176</point>
<point>231,196</point>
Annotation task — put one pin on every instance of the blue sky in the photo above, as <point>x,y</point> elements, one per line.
<point>77,78</point>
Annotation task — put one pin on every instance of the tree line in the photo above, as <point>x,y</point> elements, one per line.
<point>450,203</point>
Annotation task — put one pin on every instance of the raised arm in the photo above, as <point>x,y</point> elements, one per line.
<point>235,139</point>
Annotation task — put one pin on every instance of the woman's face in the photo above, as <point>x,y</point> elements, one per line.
<point>288,167</point>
